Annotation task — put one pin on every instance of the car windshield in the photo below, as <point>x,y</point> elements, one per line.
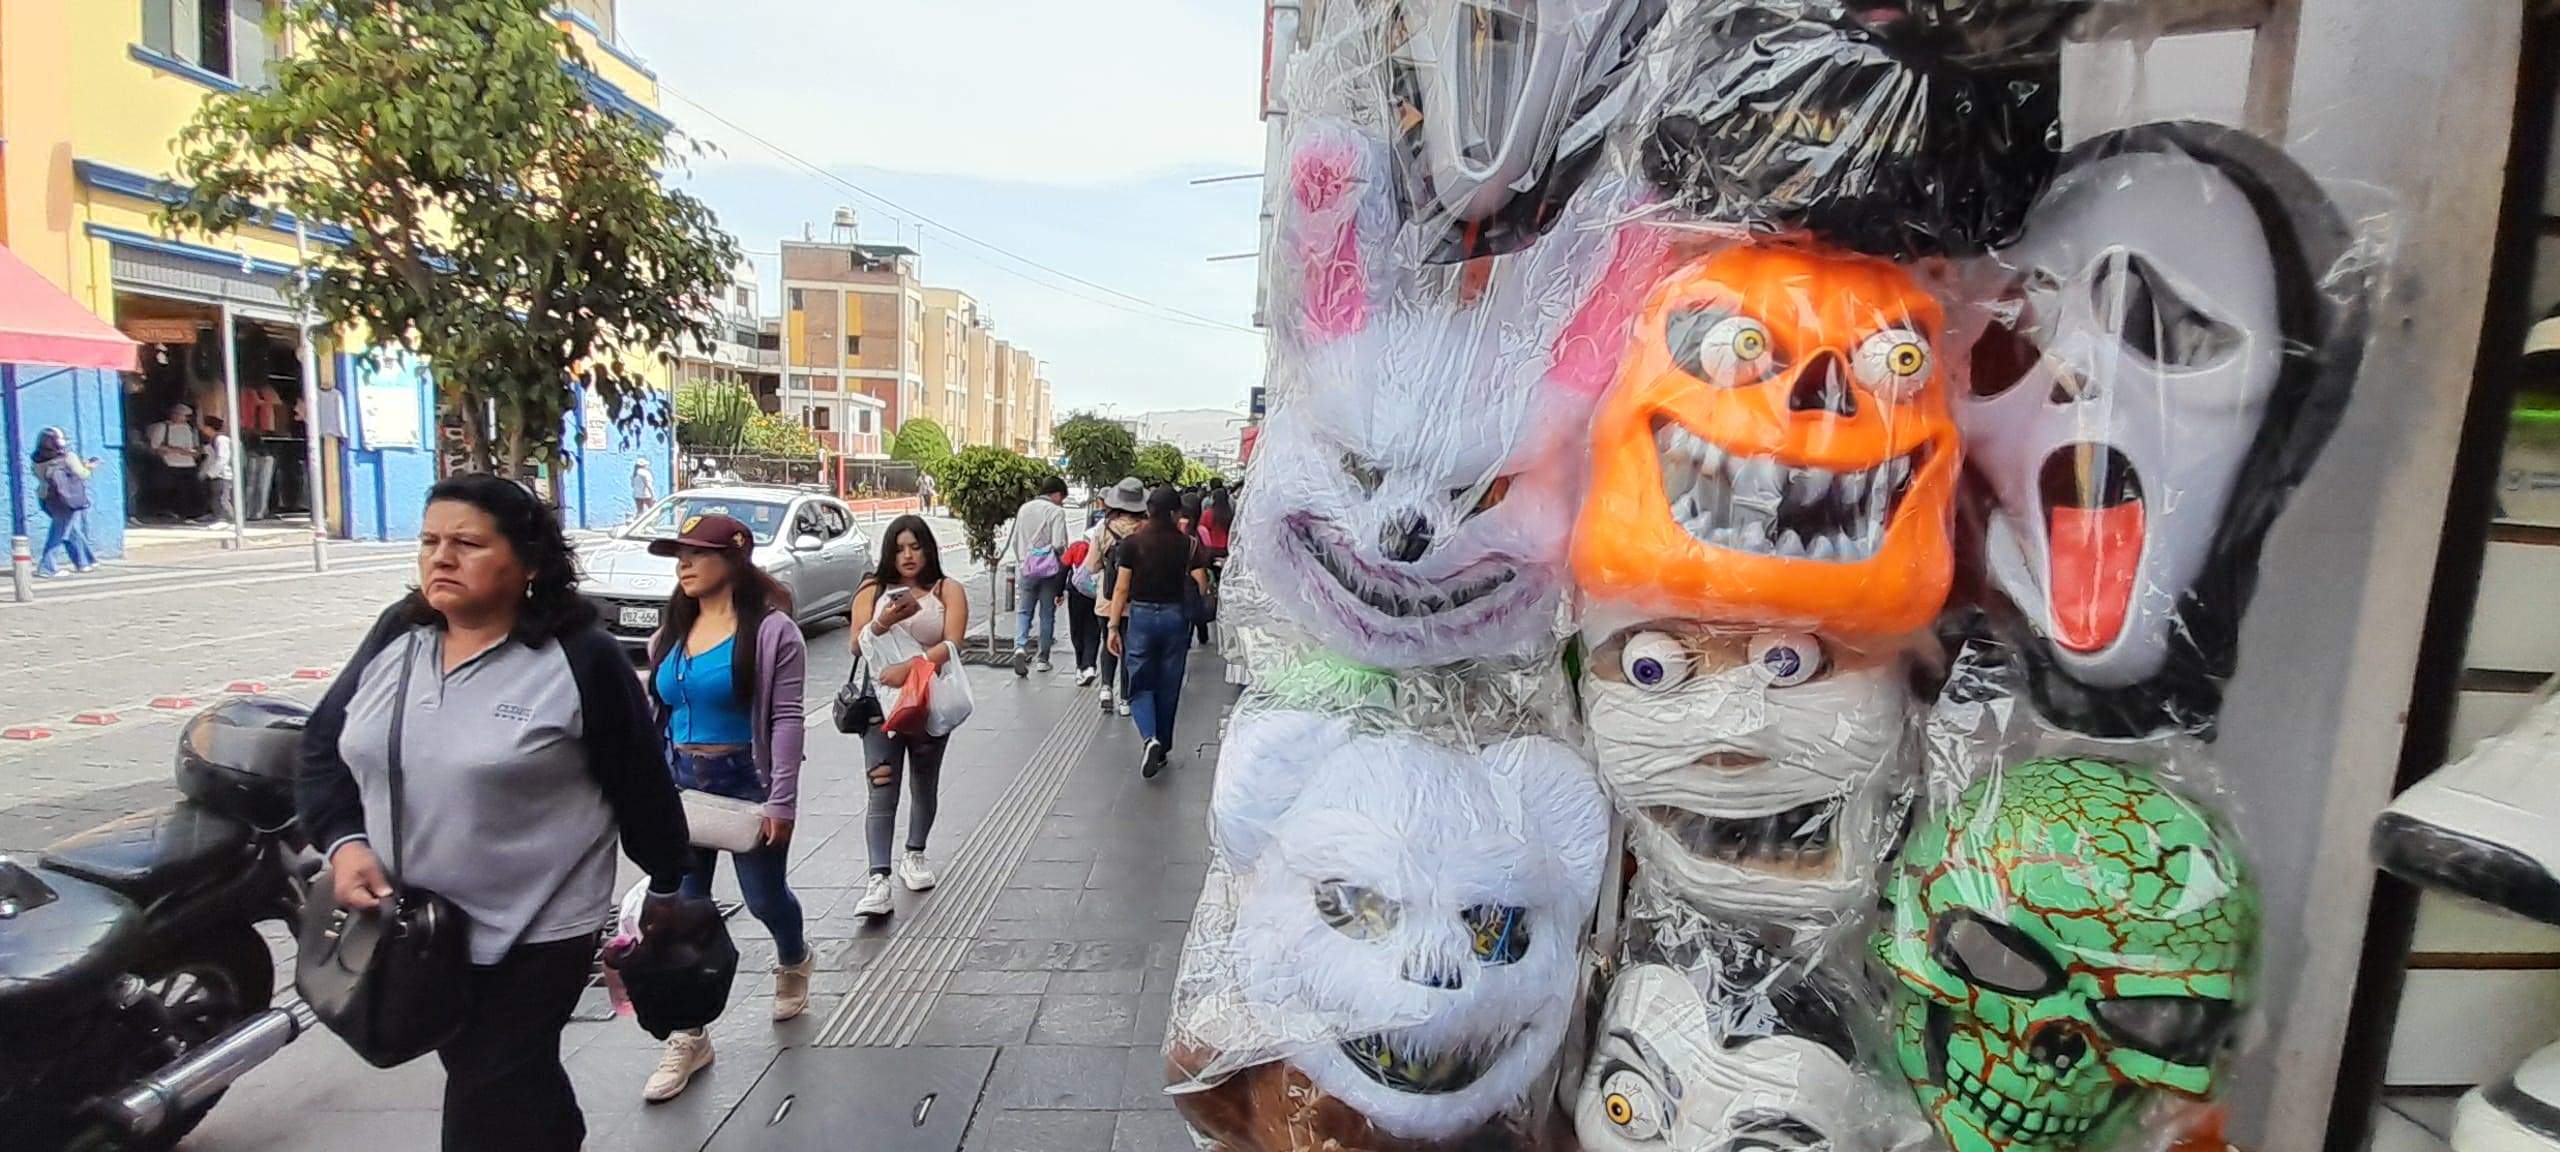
<point>761,517</point>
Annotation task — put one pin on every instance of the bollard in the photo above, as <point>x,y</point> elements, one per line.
<point>22,569</point>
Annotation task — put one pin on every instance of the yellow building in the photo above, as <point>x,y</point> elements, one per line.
<point>91,95</point>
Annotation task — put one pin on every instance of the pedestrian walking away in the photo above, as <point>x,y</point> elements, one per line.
<point>1217,517</point>
<point>219,461</point>
<point>62,490</point>
<point>527,753</point>
<point>644,489</point>
<point>906,595</point>
<point>1041,533</point>
<point>1151,631</point>
<point>1124,510</point>
<point>727,670</point>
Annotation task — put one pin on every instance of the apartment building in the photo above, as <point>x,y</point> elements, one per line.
<point>852,338</point>
<point>959,364</point>
<point>745,349</point>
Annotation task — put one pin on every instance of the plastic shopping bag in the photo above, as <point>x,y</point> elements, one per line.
<point>908,715</point>
<point>951,703</point>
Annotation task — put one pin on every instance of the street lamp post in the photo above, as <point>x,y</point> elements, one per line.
<point>311,485</point>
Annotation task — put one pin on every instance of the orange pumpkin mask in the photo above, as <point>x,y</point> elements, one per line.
<point>1777,448</point>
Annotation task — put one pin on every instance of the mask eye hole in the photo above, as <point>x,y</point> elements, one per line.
<point>1989,954</point>
<point>1357,912</point>
<point>1487,500</point>
<point>1363,472</point>
<point>2004,354</point>
<point>1895,363</point>
<point>1721,348</point>
<point>2154,319</point>
<point>1628,1101</point>
<point>2179,1029</point>
<point>1787,659</point>
<point>1500,932</point>
<point>1654,661</point>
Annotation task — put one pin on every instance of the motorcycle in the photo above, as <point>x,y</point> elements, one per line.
<point>130,954</point>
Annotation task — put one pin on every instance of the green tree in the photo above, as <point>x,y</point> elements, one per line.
<point>1196,474</point>
<point>726,418</point>
<point>920,442</point>
<point>1158,464</point>
<point>983,486</point>
<point>1099,452</point>
<point>496,220</point>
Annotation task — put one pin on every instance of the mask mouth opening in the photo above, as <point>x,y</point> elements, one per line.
<point>1395,1063</point>
<point>2096,523</point>
<point>1395,597</point>
<point>1727,498</point>
<point>1800,842</point>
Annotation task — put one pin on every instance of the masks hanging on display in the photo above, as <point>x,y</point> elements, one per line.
<point>1409,917</point>
<point>1777,449</point>
<point>1902,130</point>
<point>1758,771</point>
<point>1504,106</point>
<point>2071,939</point>
<point>1680,1068</point>
<point>2162,356</point>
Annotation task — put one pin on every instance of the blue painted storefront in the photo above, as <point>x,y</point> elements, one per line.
<point>385,486</point>
<point>88,405</point>
<point>596,493</point>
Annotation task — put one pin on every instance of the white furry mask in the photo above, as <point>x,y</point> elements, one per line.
<point>1409,915</point>
<point>1755,768</point>
<point>1670,1073</point>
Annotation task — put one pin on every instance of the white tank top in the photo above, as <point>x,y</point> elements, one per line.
<point>926,626</point>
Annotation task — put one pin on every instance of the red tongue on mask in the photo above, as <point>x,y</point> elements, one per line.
<point>2096,553</point>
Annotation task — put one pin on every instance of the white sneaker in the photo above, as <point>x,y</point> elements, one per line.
<point>1106,698</point>
<point>875,897</point>
<point>2518,1114</point>
<point>1042,665</point>
<point>1085,677</point>
<point>1123,706</point>
<point>791,989</point>
<point>914,872</point>
<point>2488,826</point>
<point>686,1054</point>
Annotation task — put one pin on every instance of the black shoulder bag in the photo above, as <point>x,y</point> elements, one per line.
<point>393,983</point>
<point>857,708</point>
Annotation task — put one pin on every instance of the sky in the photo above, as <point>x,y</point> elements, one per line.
<point>1038,127</point>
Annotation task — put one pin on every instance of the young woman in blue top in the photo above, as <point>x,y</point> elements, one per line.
<point>727,668</point>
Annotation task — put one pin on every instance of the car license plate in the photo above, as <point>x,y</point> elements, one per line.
<point>637,617</point>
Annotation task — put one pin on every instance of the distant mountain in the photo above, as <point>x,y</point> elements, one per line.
<point>1192,429</point>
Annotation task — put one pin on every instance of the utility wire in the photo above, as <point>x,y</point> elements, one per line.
<point>1143,306</point>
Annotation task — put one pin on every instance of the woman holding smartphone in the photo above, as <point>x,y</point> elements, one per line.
<point>907,593</point>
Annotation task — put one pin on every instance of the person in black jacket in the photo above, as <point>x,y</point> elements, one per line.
<point>526,752</point>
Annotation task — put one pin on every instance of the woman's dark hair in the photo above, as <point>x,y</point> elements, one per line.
<point>1163,504</point>
<point>552,607</point>
<point>886,574</point>
<point>49,445</point>
<point>1219,508</point>
<point>753,594</point>
<point>1054,486</point>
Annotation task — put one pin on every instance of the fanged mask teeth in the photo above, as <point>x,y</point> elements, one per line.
<point>1757,505</point>
<point>1402,602</point>
<point>1386,1059</point>
<point>2007,1120</point>
<point>1800,841</point>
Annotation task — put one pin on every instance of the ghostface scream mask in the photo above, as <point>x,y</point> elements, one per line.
<point>1409,915</point>
<point>2158,366</point>
<point>1756,769</point>
<point>1673,1071</point>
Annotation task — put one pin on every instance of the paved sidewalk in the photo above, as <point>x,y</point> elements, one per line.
<point>1017,1007</point>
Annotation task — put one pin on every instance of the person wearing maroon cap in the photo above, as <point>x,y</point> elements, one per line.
<point>726,671</point>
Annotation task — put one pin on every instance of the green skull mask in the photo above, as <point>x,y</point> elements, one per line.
<point>2069,939</point>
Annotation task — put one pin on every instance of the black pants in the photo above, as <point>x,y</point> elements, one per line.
<point>1083,627</point>
<point>505,1089</point>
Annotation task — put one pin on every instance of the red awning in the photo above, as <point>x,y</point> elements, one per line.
<point>41,325</point>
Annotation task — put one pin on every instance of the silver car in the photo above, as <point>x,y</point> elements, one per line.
<point>820,559</point>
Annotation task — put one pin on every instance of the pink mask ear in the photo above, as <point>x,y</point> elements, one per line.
<point>1588,352</point>
<point>1326,182</point>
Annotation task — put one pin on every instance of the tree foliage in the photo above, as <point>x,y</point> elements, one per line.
<point>1159,464</point>
<point>983,485</point>
<point>1099,452</point>
<point>496,220</point>
<point>920,442</point>
<point>726,418</point>
<point>1196,474</point>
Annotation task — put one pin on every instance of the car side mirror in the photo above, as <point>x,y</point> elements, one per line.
<point>806,543</point>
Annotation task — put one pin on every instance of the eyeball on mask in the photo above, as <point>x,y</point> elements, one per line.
<point>1787,659</point>
<point>1655,662</point>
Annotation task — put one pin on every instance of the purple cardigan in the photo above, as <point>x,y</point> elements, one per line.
<point>782,673</point>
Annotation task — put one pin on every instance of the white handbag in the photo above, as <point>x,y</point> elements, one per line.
<point>722,822</point>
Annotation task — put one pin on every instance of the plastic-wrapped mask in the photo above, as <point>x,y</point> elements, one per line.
<point>2155,371</point>
<point>1776,449</point>
<point>1897,129</point>
<point>1672,1072</point>
<point>1410,915</point>
<point>1757,770</point>
<point>2070,939</point>
<point>1506,103</point>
